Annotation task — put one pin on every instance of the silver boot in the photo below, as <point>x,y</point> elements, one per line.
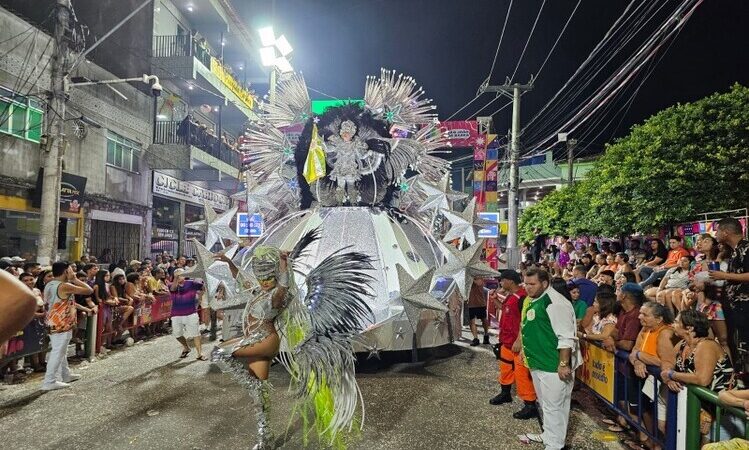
<point>262,407</point>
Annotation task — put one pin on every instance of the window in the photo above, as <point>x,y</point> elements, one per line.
<point>20,116</point>
<point>122,152</point>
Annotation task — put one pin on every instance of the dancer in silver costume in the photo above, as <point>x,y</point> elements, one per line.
<point>330,313</point>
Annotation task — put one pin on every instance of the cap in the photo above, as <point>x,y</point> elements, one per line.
<point>7,259</point>
<point>632,288</point>
<point>512,275</point>
<point>134,262</point>
<point>17,259</point>
<point>179,272</point>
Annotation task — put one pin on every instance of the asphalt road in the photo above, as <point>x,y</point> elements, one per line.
<point>146,397</point>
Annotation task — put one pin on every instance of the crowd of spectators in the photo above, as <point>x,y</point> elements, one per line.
<point>70,296</point>
<point>204,137</point>
<point>678,312</point>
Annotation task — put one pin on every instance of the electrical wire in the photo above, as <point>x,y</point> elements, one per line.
<point>533,29</point>
<point>569,19</point>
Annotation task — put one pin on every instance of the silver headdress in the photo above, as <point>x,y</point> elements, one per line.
<point>348,127</point>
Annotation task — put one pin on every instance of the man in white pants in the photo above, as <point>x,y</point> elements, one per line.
<point>552,352</point>
<point>61,318</point>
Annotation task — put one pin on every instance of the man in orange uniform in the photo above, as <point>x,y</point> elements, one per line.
<point>511,367</point>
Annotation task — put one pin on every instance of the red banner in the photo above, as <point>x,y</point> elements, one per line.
<point>159,309</point>
<point>463,133</point>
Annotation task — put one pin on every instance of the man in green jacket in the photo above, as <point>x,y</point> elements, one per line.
<point>552,352</point>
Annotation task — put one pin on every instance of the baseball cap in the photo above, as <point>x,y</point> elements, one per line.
<point>512,275</point>
<point>7,259</point>
<point>134,262</point>
<point>632,288</point>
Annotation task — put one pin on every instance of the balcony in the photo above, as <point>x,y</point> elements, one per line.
<point>191,148</point>
<point>183,57</point>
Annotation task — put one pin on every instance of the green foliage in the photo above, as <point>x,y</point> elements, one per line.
<point>685,160</point>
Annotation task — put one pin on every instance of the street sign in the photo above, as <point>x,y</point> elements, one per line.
<point>249,226</point>
<point>490,231</point>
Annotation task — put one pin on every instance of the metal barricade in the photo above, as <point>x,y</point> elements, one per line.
<point>696,395</point>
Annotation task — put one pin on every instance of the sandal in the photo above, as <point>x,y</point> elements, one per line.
<point>608,422</point>
<point>184,353</point>
<point>617,428</point>
<point>202,358</point>
<point>635,445</point>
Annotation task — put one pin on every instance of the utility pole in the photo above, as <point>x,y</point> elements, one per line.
<point>513,91</point>
<point>52,151</point>
<point>571,145</point>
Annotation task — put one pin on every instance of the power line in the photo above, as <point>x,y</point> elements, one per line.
<point>538,16</point>
<point>499,44</point>
<point>569,19</point>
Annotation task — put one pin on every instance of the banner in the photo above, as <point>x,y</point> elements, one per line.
<point>598,370</point>
<point>159,309</point>
<point>72,188</point>
<point>27,342</point>
<point>228,80</point>
<point>463,133</point>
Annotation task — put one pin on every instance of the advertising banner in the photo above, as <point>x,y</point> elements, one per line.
<point>27,342</point>
<point>598,370</point>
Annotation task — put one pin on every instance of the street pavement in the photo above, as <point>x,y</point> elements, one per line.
<point>146,397</point>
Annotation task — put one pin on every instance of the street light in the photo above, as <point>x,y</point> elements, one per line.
<point>269,57</point>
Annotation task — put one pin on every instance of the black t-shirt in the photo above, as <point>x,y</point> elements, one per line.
<point>661,253</point>
<point>739,263</point>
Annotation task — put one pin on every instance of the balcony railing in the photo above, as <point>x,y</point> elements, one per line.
<point>188,133</point>
<point>180,45</point>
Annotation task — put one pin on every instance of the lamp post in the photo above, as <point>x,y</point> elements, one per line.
<point>274,54</point>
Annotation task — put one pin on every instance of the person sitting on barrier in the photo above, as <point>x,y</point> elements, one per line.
<point>603,324</point>
<point>673,283</point>
<point>655,256</point>
<point>653,345</point>
<point>121,302</point>
<point>738,398</point>
<point>698,360</point>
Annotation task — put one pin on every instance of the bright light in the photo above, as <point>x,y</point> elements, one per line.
<point>283,65</point>
<point>189,8</point>
<point>215,108</point>
<point>268,56</point>
<point>161,116</point>
<point>283,46</point>
<point>189,86</point>
<point>267,37</point>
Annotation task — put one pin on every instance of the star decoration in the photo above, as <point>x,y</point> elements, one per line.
<point>214,273</point>
<point>257,196</point>
<point>465,225</point>
<point>439,196</point>
<point>219,229</point>
<point>288,151</point>
<point>374,352</point>
<point>414,293</point>
<point>399,333</point>
<point>202,225</point>
<point>316,120</point>
<point>404,186</point>
<point>480,141</point>
<point>464,266</point>
<point>393,115</point>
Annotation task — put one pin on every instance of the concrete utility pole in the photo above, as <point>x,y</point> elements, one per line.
<point>52,151</point>
<point>513,91</point>
<point>571,145</point>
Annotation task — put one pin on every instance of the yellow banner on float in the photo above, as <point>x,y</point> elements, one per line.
<point>597,370</point>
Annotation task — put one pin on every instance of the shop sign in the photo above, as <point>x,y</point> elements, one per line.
<point>72,188</point>
<point>598,370</point>
<point>171,187</point>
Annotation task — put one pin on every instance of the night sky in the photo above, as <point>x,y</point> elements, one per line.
<point>448,46</point>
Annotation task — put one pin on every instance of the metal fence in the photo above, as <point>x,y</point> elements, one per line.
<point>171,46</point>
<point>171,132</point>
<point>698,396</point>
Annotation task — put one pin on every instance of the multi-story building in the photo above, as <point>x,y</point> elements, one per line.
<point>105,200</point>
<point>161,157</point>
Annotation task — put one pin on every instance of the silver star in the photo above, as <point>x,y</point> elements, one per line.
<point>374,352</point>
<point>465,225</point>
<point>415,296</point>
<point>202,225</point>
<point>464,266</point>
<point>439,196</point>
<point>214,273</point>
<point>220,229</point>
<point>257,196</point>
<point>399,333</point>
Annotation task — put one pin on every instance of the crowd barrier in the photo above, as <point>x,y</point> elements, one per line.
<point>615,388</point>
<point>697,397</point>
<point>144,314</point>
<point>29,341</point>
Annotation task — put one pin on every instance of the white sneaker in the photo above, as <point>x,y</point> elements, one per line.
<point>54,386</point>
<point>72,377</point>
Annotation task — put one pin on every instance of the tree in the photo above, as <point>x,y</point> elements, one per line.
<point>685,160</point>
